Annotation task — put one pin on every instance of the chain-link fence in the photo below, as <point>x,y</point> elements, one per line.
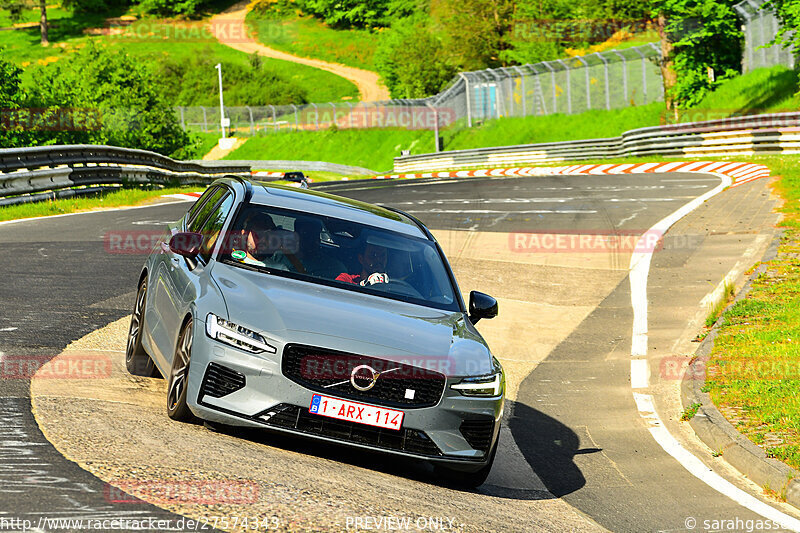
<point>607,80</point>
<point>760,27</point>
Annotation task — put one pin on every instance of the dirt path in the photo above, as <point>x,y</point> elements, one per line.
<point>229,28</point>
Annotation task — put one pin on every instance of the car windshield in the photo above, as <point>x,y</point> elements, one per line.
<point>340,253</point>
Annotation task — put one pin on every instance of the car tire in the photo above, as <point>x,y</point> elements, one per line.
<point>177,409</point>
<point>468,480</point>
<point>137,361</point>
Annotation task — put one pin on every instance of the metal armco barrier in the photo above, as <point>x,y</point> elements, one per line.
<point>47,168</point>
<point>737,136</point>
<point>304,166</point>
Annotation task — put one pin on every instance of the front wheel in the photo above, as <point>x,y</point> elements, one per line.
<point>469,480</point>
<point>137,361</point>
<point>177,409</point>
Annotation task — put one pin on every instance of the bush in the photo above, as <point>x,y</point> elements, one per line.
<point>186,8</point>
<point>96,6</point>
<point>107,98</point>
<point>12,133</point>
<point>195,82</point>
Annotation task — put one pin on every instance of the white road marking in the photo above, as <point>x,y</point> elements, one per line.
<point>496,212</point>
<point>639,269</point>
<point>7,329</point>
<point>6,222</point>
<point>562,199</point>
<point>688,179</point>
<point>640,374</point>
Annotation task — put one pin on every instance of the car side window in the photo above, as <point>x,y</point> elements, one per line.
<point>201,215</point>
<point>213,226</point>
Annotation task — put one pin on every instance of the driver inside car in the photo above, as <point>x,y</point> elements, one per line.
<point>373,267</point>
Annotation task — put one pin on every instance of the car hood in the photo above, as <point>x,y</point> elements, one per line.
<point>291,311</point>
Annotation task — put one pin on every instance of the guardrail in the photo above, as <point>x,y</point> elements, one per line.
<point>49,168</point>
<point>747,135</point>
<point>304,166</point>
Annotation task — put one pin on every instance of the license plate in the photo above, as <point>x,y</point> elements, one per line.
<point>359,413</point>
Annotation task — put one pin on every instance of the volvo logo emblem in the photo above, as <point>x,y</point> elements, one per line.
<point>363,377</point>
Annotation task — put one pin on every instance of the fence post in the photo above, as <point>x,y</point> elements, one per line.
<point>605,78</point>
<point>466,91</point>
<point>294,107</point>
<point>569,85</point>
<point>274,119</point>
<point>435,125</point>
<point>644,73</point>
<point>655,47</point>
<point>205,120</point>
<point>553,83</point>
<point>316,117</point>
<point>763,39</point>
<point>588,83</point>
<point>183,121</point>
<point>252,126</point>
<point>624,76</point>
<point>334,112</point>
<point>522,86</point>
<point>777,48</point>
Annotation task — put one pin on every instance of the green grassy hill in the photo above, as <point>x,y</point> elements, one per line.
<point>153,40</point>
<point>761,91</point>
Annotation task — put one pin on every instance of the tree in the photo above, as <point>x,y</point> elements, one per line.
<point>788,11</point>
<point>43,22</point>
<point>106,97</point>
<point>412,60</point>
<point>476,31</point>
<point>700,45</point>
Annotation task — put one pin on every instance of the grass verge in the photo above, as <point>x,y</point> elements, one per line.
<point>754,367</point>
<point>119,198</point>
<point>372,149</point>
<point>306,36</point>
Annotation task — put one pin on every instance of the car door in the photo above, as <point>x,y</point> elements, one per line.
<point>170,277</point>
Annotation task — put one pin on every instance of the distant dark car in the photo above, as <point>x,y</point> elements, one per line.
<point>297,177</point>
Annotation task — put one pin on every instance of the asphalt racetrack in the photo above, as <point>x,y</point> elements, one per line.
<point>576,452</point>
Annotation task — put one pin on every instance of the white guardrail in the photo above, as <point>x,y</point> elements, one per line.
<point>737,136</point>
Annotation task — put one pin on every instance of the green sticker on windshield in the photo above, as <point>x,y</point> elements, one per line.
<point>238,255</point>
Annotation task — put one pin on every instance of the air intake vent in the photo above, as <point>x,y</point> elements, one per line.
<point>478,432</point>
<point>220,381</point>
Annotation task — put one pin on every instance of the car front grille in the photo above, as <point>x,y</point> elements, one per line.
<point>297,418</point>
<point>329,372</point>
<point>478,432</point>
<point>220,381</point>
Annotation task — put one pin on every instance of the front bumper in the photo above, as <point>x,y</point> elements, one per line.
<point>458,430</point>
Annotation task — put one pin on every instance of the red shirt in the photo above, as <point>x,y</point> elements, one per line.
<point>348,278</point>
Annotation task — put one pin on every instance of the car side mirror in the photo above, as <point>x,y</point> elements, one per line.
<point>186,244</point>
<point>481,306</point>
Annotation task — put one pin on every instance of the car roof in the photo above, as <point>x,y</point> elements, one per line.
<point>320,203</point>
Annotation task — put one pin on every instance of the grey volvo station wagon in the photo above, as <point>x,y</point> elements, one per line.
<point>306,313</point>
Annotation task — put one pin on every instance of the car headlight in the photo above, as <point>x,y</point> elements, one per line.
<point>484,386</point>
<point>238,336</point>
